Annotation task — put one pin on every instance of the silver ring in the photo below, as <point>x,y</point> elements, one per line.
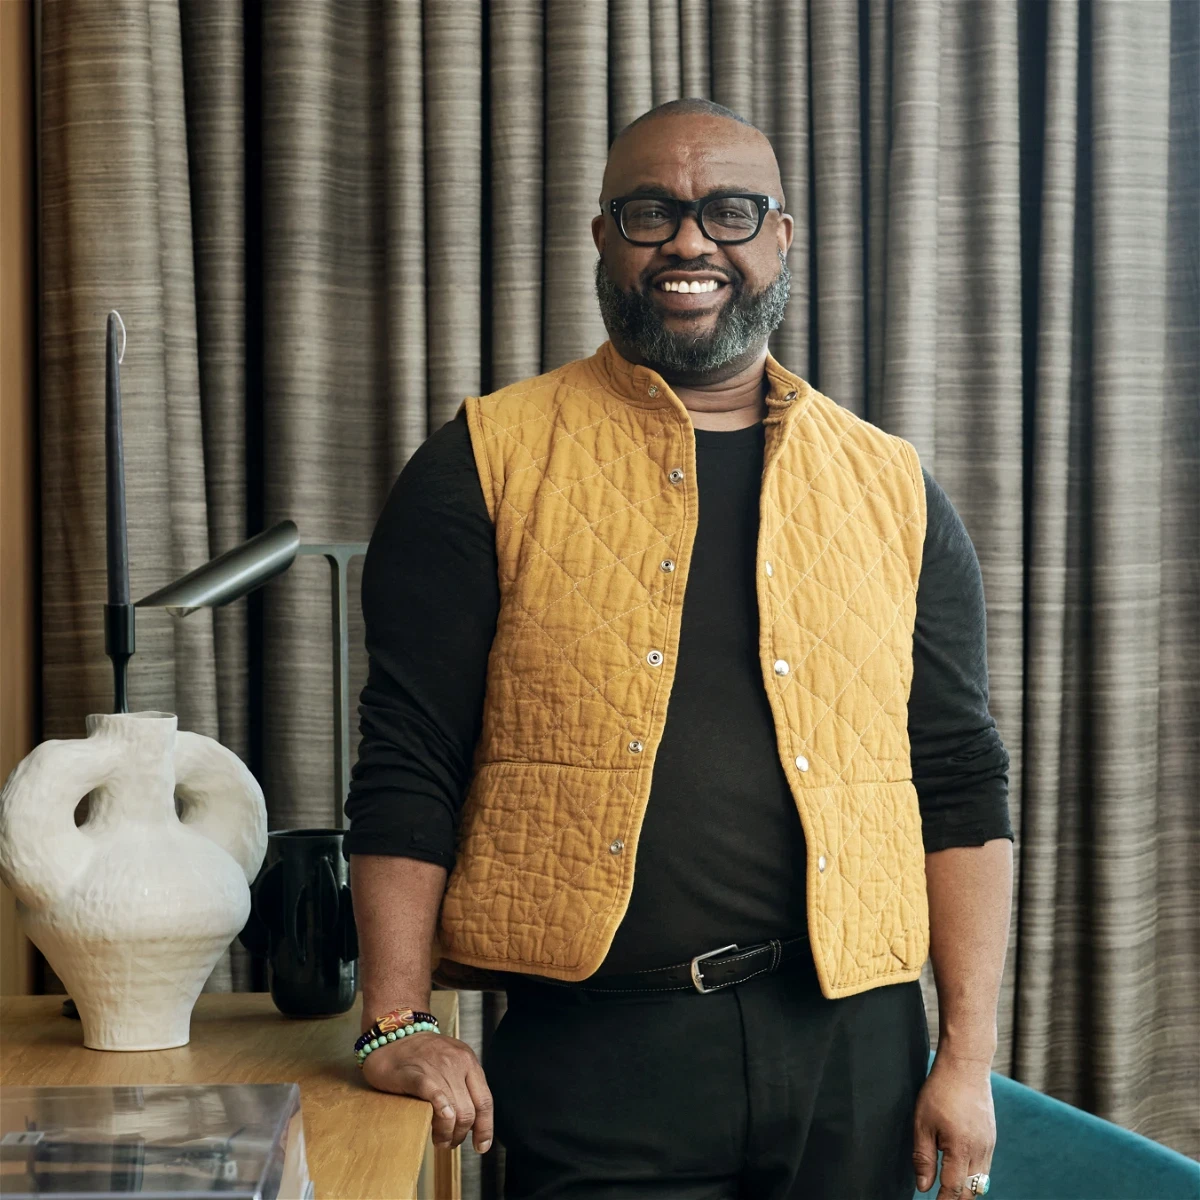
<point>979,1184</point>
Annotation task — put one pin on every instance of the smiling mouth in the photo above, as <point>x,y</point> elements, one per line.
<point>690,286</point>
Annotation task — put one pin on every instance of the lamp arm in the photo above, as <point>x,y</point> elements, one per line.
<point>231,575</point>
<point>247,567</point>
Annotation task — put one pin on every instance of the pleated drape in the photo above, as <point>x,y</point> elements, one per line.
<point>1108,982</point>
<point>213,79</point>
<point>515,171</point>
<point>326,223</point>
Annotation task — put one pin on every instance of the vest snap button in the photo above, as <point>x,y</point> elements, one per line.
<point>653,389</point>
<point>654,658</point>
<point>821,863</point>
<point>636,747</point>
<point>676,476</point>
<point>666,565</point>
<point>617,846</point>
<point>769,569</point>
<point>801,763</point>
<point>781,667</point>
<point>790,396</point>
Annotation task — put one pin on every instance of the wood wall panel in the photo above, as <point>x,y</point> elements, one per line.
<point>18,437</point>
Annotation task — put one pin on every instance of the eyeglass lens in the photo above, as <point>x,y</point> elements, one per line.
<point>728,218</point>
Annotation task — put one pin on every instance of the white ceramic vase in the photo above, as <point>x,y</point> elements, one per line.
<point>133,908</point>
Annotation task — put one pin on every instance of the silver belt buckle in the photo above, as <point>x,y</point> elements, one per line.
<point>697,978</point>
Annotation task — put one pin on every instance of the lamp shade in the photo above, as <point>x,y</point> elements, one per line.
<point>231,575</point>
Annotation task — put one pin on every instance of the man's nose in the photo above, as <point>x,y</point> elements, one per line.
<point>689,241</point>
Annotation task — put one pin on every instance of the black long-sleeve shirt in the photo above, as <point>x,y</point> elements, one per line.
<point>721,854</point>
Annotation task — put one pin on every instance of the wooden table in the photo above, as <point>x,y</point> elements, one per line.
<point>362,1144</point>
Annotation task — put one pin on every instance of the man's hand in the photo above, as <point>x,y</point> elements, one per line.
<point>954,1115</point>
<point>444,1071</point>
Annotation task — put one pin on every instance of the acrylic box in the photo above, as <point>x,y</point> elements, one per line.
<point>237,1141</point>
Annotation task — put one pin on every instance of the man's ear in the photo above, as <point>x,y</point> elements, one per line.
<point>598,231</point>
<point>787,230</point>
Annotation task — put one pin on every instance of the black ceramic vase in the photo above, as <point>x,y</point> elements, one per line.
<point>302,920</point>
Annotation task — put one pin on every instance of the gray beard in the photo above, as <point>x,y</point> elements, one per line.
<point>745,321</point>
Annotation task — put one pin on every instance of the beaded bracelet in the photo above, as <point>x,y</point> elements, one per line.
<point>394,1035</point>
<point>398,1018</point>
<point>398,1023</point>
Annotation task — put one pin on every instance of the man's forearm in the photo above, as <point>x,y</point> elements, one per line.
<point>396,902</point>
<point>970,898</point>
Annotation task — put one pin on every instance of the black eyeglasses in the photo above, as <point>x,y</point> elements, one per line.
<point>725,217</point>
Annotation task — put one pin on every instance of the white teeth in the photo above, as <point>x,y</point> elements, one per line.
<point>694,285</point>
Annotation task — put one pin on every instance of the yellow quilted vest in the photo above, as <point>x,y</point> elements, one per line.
<point>589,473</point>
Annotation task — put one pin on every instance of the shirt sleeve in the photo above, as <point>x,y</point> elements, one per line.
<point>959,763</point>
<point>430,596</point>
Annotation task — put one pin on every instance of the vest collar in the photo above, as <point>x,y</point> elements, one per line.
<point>787,394</point>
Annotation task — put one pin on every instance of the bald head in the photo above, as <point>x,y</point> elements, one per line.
<point>684,106</point>
<point>686,137</point>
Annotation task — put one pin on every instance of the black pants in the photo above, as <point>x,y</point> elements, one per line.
<point>763,1091</point>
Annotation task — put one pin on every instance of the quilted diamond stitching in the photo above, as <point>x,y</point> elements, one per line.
<point>841,465</point>
<point>483,892</point>
<point>853,909</point>
<point>602,472</point>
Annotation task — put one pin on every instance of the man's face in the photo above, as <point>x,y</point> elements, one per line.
<point>710,335</point>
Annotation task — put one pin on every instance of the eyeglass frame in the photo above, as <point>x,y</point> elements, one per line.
<point>765,205</point>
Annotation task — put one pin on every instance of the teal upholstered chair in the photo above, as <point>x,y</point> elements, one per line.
<point>1047,1150</point>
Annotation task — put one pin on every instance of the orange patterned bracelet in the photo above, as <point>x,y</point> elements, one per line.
<point>392,1026</point>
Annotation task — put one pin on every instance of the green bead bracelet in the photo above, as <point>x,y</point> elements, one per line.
<point>395,1035</point>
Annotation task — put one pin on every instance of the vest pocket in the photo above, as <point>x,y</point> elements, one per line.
<point>870,910</point>
<point>536,880</point>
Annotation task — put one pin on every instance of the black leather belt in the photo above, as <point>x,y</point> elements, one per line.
<point>708,972</point>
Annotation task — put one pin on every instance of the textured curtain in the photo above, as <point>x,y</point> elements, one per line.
<point>325,223</point>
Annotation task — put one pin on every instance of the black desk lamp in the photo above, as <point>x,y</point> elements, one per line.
<point>221,581</point>
<point>246,567</point>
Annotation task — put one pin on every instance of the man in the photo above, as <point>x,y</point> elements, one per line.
<point>822,803</point>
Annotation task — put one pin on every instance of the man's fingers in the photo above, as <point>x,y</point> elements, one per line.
<point>481,1096</point>
<point>954,1175</point>
<point>435,1089</point>
<point>464,1106</point>
<point>924,1157</point>
<point>978,1163</point>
